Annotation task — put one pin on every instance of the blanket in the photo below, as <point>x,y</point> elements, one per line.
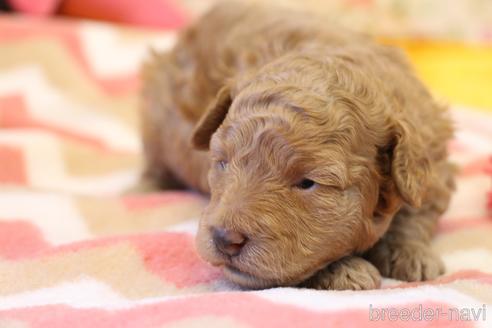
<point>75,251</point>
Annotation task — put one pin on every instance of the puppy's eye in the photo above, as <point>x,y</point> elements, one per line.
<point>305,184</point>
<point>222,164</point>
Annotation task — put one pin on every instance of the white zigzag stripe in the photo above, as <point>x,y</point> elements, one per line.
<point>54,214</point>
<point>469,118</point>
<point>474,142</point>
<point>109,55</point>
<point>48,104</point>
<point>83,293</point>
<point>342,300</point>
<point>470,198</point>
<point>469,259</point>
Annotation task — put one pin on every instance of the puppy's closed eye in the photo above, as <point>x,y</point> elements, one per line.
<point>333,177</point>
<point>222,164</point>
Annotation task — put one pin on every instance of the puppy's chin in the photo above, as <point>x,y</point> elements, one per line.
<point>245,279</point>
<point>253,281</point>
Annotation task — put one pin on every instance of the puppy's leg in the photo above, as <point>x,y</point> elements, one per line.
<point>351,272</point>
<point>404,252</point>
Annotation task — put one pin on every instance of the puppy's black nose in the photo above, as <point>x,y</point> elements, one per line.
<point>228,241</point>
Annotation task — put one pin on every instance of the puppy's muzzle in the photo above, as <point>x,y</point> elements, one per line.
<point>228,242</point>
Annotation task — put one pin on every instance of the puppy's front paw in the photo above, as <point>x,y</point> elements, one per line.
<point>351,272</point>
<point>406,261</point>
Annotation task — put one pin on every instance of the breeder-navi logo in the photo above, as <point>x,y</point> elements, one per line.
<point>421,313</point>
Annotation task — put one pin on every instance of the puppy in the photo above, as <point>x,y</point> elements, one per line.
<point>324,156</point>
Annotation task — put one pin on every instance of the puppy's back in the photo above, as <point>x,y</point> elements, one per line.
<point>235,38</point>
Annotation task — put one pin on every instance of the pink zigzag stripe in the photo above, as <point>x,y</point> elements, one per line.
<point>12,165</point>
<point>242,308</point>
<point>479,166</point>
<point>450,226</point>
<point>20,239</point>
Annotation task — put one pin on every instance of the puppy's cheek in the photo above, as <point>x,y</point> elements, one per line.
<point>214,180</point>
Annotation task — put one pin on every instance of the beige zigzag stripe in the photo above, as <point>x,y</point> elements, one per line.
<point>10,323</point>
<point>76,155</point>
<point>119,266</point>
<point>481,292</point>
<point>104,217</point>
<point>464,239</point>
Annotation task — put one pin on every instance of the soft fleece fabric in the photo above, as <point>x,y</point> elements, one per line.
<point>75,252</point>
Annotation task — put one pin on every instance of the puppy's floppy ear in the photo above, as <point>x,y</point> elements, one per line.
<point>410,163</point>
<point>211,119</point>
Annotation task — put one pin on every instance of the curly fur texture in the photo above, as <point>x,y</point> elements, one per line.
<point>270,97</point>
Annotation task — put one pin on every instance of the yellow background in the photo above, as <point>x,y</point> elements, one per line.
<point>460,74</point>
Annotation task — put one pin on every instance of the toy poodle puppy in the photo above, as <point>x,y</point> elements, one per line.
<point>324,156</point>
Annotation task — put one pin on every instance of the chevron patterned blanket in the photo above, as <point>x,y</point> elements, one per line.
<point>76,252</point>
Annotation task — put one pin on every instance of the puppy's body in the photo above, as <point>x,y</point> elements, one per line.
<point>288,98</point>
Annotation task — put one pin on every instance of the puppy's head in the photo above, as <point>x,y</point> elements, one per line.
<point>299,180</point>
